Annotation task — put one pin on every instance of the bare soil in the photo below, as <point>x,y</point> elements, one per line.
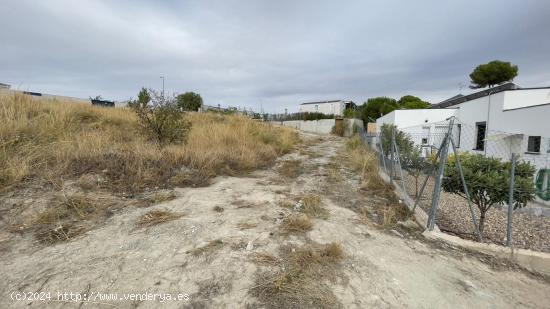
<point>228,235</point>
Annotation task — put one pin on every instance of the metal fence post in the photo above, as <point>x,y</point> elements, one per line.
<point>382,153</point>
<point>511,202</point>
<point>466,191</point>
<point>399,163</point>
<point>439,177</point>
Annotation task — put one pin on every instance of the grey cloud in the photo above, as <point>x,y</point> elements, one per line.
<point>270,54</point>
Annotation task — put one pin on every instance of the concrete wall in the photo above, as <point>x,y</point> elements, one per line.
<point>331,108</point>
<point>46,96</point>
<point>322,126</point>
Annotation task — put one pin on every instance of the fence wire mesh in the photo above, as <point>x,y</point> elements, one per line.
<point>415,157</point>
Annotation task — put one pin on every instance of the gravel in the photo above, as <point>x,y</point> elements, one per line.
<point>453,216</point>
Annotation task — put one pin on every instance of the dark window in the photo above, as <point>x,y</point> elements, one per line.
<point>424,141</point>
<point>480,135</point>
<point>533,144</point>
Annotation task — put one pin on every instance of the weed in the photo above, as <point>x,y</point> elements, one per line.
<point>208,249</point>
<point>218,209</point>
<point>161,197</point>
<point>264,258</point>
<point>51,234</point>
<point>311,205</point>
<point>296,224</point>
<point>299,279</point>
<point>291,168</point>
<point>155,217</point>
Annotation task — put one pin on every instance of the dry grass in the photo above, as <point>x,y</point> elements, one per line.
<point>50,141</point>
<point>393,213</point>
<point>296,224</point>
<point>208,249</point>
<point>311,205</point>
<point>290,168</point>
<point>364,161</point>
<point>157,216</point>
<point>218,209</point>
<point>66,217</point>
<point>246,225</point>
<point>264,258</point>
<point>299,278</point>
<point>161,197</point>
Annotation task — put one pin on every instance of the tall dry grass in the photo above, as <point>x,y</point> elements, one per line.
<point>365,162</point>
<point>56,141</point>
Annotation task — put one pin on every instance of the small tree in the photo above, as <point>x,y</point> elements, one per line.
<point>412,102</point>
<point>415,164</point>
<point>160,117</point>
<point>488,180</point>
<point>189,101</point>
<point>493,73</point>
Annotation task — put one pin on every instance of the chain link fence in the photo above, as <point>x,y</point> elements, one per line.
<point>478,184</point>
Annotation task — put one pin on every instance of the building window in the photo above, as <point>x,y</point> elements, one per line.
<point>481,127</point>
<point>533,144</point>
<point>316,107</point>
<point>424,141</point>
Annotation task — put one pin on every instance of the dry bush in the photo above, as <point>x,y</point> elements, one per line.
<point>399,212</point>
<point>311,205</point>
<point>52,140</point>
<point>218,209</point>
<point>51,234</point>
<point>67,216</point>
<point>290,168</point>
<point>296,224</point>
<point>362,160</point>
<point>161,197</point>
<point>299,279</point>
<point>208,249</point>
<point>157,216</point>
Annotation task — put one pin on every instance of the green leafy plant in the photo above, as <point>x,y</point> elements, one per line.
<point>160,117</point>
<point>415,164</point>
<point>403,141</point>
<point>487,179</point>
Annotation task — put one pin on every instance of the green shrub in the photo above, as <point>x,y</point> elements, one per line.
<point>160,117</point>
<point>488,180</point>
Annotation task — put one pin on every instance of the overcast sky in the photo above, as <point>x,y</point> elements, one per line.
<point>270,54</point>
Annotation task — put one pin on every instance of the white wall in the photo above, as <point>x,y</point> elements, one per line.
<point>336,108</point>
<point>322,126</point>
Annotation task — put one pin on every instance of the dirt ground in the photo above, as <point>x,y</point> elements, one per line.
<point>209,254</point>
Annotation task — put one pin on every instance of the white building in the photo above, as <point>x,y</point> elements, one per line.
<point>496,122</point>
<point>334,107</point>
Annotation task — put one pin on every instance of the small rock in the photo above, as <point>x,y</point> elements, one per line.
<point>250,246</point>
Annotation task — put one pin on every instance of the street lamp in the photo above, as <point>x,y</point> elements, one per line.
<point>162,77</point>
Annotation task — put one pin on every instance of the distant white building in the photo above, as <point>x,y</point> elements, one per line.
<point>4,86</point>
<point>495,122</point>
<point>334,107</point>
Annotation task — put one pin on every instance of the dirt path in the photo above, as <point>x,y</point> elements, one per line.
<point>207,254</point>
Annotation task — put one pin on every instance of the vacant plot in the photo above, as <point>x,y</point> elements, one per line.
<point>103,160</point>
<point>54,141</point>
